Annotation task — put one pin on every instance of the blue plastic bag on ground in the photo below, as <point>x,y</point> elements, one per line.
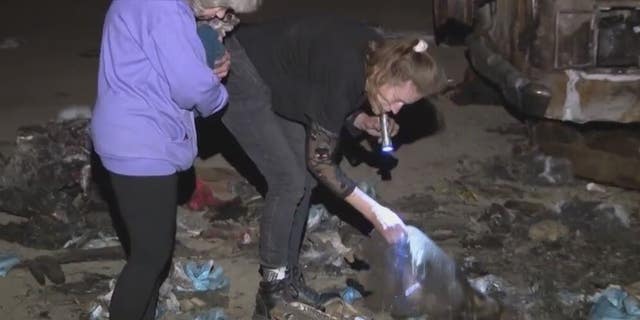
<point>206,276</point>
<point>7,261</point>
<point>615,304</point>
<point>200,276</point>
<point>213,314</point>
<point>350,294</point>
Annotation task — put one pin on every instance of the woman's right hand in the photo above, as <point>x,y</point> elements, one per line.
<point>222,66</point>
<point>389,224</point>
<point>371,125</point>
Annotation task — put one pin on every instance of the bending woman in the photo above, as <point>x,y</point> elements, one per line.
<point>294,84</point>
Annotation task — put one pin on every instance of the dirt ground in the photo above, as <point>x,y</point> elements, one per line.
<point>466,176</point>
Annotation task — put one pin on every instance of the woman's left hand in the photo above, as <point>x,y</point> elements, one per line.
<point>371,124</point>
<point>222,66</point>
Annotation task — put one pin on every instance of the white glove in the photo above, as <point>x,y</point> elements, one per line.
<point>386,217</point>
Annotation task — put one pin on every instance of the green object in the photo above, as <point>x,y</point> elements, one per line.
<point>213,48</point>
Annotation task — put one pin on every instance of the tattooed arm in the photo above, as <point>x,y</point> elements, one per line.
<point>322,145</point>
<point>321,149</point>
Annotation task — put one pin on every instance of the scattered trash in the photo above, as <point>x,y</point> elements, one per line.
<point>634,289</point>
<point>615,303</point>
<point>350,294</point>
<point>548,231</point>
<point>337,308</point>
<point>47,180</point>
<point>199,276</point>
<point>99,310</point>
<point>507,212</point>
<point>84,241</point>
<point>555,171</point>
<point>244,191</point>
<point>325,248</point>
<point>471,265</point>
<point>241,233</point>
<point>213,314</point>
<point>318,214</point>
<point>89,283</point>
<point>188,278</point>
<point>202,197</point>
<point>599,222</point>
<point>493,285</point>
<point>9,43</point>
<point>498,218</point>
<point>595,187</point>
<point>167,302</point>
<point>570,299</point>
<point>617,211</point>
<point>531,168</point>
<point>7,261</point>
<point>191,223</point>
<point>74,112</point>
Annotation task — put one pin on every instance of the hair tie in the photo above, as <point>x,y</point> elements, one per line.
<point>421,46</point>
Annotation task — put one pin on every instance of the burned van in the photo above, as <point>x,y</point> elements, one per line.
<point>573,61</point>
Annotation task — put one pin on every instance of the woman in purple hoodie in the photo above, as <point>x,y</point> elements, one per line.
<point>153,80</point>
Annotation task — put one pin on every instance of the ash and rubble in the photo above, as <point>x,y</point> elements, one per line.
<point>520,226</point>
<point>529,234</point>
<point>47,180</point>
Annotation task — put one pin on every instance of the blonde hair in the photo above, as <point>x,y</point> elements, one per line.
<point>397,60</point>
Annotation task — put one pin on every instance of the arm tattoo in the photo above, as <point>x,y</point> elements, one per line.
<point>321,149</point>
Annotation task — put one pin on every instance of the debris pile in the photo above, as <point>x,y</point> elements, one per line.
<point>533,237</point>
<point>523,230</point>
<point>47,180</point>
<point>330,243</point>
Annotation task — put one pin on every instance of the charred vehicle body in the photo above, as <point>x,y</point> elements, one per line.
<point>575,61</point>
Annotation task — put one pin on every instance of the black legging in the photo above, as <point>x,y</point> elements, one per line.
<point>147,207</point>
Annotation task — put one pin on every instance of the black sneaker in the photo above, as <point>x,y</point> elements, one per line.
<point>301,292</point>
<point>271,294</point>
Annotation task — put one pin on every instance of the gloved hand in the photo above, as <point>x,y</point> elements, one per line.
<point>389,224</point>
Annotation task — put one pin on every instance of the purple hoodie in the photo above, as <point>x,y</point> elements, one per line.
<point>153,77</point>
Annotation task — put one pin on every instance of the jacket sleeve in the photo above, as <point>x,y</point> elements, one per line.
<point>182,61</point>
<point>349,124</point>
<point>321,149</point>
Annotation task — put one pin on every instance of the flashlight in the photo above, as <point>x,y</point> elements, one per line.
<point>387,146</point>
